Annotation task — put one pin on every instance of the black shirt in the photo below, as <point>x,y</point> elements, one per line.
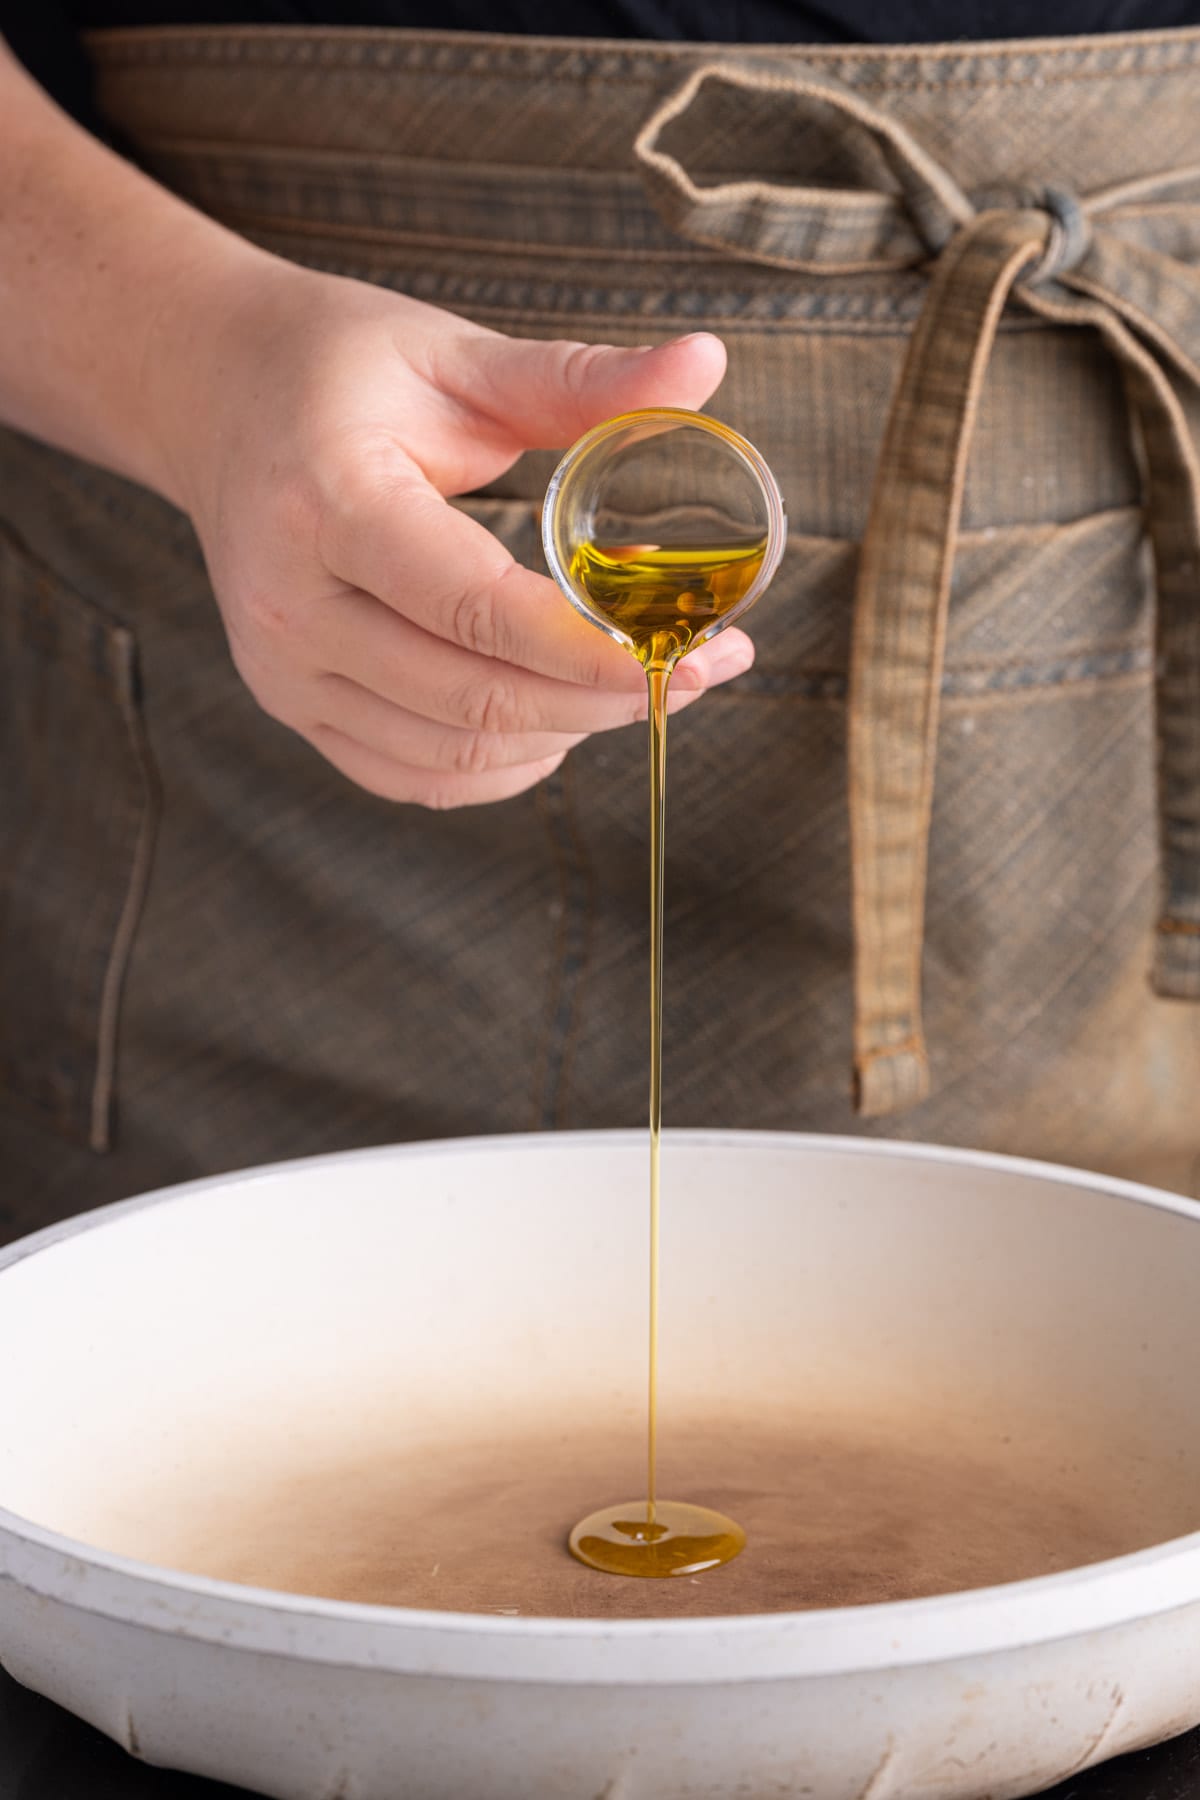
<point>44,35</point>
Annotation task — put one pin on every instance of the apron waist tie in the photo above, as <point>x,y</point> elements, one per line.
<point>1064,261</point>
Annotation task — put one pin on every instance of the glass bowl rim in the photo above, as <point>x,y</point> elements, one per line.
<point>752,458</point>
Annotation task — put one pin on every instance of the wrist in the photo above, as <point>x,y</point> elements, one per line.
<point>198,358</point>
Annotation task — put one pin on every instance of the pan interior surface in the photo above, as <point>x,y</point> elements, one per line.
<point>400,1379</point>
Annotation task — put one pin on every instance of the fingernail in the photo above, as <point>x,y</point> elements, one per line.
<point>731,658</point>
<point>689,337</point>
<point>689,676</point>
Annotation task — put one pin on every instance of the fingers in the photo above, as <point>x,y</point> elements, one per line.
<point>548,394</point>
<point>710,665</point>
<point>398,750</point>
<point>385,626</point>
<point>371,645</point>
<point>439,789</point>
<point>403,757</point>
<point>441,570</point>
<point>406,738</point>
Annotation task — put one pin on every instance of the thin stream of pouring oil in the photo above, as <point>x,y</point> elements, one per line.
<point>664,599</point>
<point>657,677</point>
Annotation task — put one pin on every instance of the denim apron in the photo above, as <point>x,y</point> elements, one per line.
<point>933,864</point>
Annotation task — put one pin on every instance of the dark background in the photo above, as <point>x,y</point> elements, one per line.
<point>46,1755</point>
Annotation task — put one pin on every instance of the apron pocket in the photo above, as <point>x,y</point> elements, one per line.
<point>76,834</point>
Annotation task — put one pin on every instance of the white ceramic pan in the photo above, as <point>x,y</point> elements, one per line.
<point>401,1372</point>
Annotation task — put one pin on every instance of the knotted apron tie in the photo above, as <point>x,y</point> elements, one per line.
<point>1071,262</point>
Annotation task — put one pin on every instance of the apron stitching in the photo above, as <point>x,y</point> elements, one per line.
<point>1001,699</point>
<point>575,885</point>
<point>285,224</point>
<point>544,796</point>
<point>367,52</point>
<point>965,84</point>
<point>965,687</point>
<point>100,1122</point>
<point>826,321</point>
<point>583,900</point>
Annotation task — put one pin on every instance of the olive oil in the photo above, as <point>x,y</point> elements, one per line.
<point>849,1499</point>
<point>663,598</point>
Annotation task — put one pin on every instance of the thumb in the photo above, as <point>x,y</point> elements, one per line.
<point>548,394</point>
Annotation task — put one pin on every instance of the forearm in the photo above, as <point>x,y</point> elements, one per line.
<point>106,280</point>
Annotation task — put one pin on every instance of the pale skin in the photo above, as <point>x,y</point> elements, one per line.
<point>312,427</point>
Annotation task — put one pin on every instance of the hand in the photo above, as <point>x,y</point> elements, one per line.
<point>312,427</point>
<point>326,422</point>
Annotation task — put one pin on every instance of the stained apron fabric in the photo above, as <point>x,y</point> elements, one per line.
<point>933,865</point>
